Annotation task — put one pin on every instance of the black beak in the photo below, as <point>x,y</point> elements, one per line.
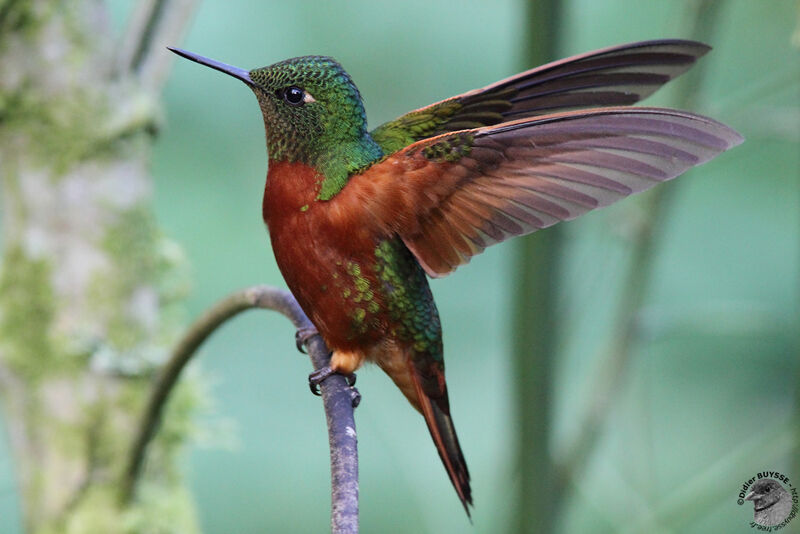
<point>236,72</point>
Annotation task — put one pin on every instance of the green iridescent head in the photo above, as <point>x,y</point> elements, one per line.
<point>312,112</point>
<point>308,100</point>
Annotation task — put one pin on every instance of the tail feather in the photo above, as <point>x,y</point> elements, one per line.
<point>437,415</point>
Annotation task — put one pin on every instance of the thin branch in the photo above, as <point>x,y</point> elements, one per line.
<point>608,382</point>
<point>338,400</point>
<point>153,25</point>
<point>336,396</point>
<point>138,22</point>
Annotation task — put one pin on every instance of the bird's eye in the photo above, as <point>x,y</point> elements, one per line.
<point>294,96</point>
<point>767,489</point>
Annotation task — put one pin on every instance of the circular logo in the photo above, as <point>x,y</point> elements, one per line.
<point>775,500</point>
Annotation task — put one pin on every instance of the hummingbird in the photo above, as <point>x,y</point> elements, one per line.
<point>359,219</point>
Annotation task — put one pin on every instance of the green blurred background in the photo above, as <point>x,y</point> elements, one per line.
<point>706,393</point>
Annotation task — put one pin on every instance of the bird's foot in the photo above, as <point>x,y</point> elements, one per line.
<point>317,377</point>
<point>302,336</point>
<point>355,396</point>
<point>320,375</point>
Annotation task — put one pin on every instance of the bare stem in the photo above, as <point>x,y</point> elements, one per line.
<point>336,396</point>
<point>153,25</point>
<point>535,329</point>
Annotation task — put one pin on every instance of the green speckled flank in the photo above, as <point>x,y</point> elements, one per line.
<point>409,298</point>
<point>327,132</point>
<point>353,269</point>
<point>358,294</point>
<point>362,291</point>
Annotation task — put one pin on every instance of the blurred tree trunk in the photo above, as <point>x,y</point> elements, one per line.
<point>534,327</point>
<point>88,285</point>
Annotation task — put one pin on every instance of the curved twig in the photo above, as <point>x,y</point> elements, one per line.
<point>336,396</point>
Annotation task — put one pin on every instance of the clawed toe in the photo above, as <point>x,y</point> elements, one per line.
<point>320,375</point>
<point>317,377</point>
<point>355,396</point>
<point>302,336</point>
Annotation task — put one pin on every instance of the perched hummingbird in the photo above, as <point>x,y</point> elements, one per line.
<point>358,218</point>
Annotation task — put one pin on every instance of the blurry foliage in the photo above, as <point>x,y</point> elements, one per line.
<point>710,393</point>
<point>25,286</point>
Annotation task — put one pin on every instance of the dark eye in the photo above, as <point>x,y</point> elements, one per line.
<point>767,489</point>
<point>294,96</point>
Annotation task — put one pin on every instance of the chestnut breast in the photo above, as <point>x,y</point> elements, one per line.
<point>326,253</point>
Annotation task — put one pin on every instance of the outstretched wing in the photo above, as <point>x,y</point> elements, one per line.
<point>621,75</point>
<point>451,196</point>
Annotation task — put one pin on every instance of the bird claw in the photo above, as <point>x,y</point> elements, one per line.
<point>302,336</point>
<point>317,377</point>
<point>351,379</point>
<point>355,396</point>
<point>320,375</point>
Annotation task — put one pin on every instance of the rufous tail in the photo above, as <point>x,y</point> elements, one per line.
<point>436,410</point>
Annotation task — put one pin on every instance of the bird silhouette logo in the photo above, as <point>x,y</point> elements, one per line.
<point>772,503</point>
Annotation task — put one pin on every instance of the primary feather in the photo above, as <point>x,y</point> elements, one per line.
<point>451,196</point>
<point>615,76</point>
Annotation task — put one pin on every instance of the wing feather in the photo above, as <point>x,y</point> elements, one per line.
<point>451,196</point>
<point>616,76</point>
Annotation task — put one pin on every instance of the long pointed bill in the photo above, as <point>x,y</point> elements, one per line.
<point>236,72</point>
